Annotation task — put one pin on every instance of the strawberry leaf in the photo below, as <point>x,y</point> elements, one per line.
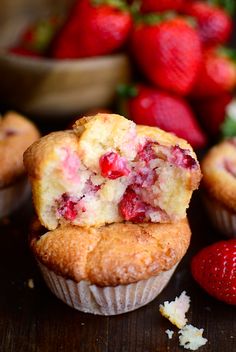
<point>153,18</point>
<point>227,52</point>
<point>118,4</point>
<point>127,91</point>
<point>228,128</point>
<point>228,5</point>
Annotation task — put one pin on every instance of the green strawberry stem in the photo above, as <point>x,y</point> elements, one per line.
<point>127,90</point>
<point>227,52</point>
<point>118,4</point>
<point>228,5</point>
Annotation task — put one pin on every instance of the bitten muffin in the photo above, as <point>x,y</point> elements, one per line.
<point>111,269</point>
<point>16,135</point>
<point>219,185</point>
<point>109,170</point>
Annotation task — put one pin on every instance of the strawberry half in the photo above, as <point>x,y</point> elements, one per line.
<point>214,268</point>
<point>214,24</point>
<point>169,53</point>
<point>94,28</point>
<point>154,107</point>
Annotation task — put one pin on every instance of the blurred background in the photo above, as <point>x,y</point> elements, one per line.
<point>165,63</point>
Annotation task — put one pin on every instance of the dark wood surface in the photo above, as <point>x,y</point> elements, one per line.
<point>34,320</point>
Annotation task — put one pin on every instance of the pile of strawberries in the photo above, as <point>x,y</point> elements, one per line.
<point>186,76</point>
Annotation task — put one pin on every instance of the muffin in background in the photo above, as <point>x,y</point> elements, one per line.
<point>219,186</point>
<point>112,269</point>
<point>16,134</point>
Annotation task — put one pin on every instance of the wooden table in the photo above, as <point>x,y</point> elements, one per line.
<point>32,319</point>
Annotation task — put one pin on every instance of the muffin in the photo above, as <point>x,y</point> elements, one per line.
<point>219,185</point>
<point>16,135</point>
<point>109,170</point>
<point>111,269</point>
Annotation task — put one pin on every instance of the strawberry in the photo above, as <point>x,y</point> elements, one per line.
<point>154,107</point>
<point>217,74</point>
<point>161,5</point>
<point>93,28</point>
<point>169,53</point>
<point>214,268</point>
<point>212,112</point>
<point>19,50</point>
<point>36,39</point>
<point>214,24</point>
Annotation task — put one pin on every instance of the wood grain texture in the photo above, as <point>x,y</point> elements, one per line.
<point>33,320</point>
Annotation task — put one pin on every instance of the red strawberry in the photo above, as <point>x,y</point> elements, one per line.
<point>92,30</point>
<point>214,268</point>
<point>169,53</point>
<point>214,24</point>
<point>154,107</point>
<point>37,37</point>
<point>212,112</point>
<point>161,5</point>
<point>216,76</point>
<point>18,50</point>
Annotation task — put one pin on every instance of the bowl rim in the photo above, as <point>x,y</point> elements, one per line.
<point>45,62</point>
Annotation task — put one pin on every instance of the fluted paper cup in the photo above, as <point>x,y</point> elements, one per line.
<point>221,217</point>
<point>13,196</point>
<point>109,300</point>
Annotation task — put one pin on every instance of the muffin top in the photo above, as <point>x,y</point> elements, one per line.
<point>219,173</point>
<point>115,254</point>
<point>16,135</point>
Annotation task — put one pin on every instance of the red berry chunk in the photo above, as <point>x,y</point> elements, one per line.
<point>131,207</point>
<point>180,157</point>
<point>67,207</point>
<point>113,166</point>
<point>147,153</point>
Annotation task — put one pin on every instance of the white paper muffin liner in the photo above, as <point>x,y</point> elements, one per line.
<point>223,219</point>
<point>13,196</point>
<point>109,300</point>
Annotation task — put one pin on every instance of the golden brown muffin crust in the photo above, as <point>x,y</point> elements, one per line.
<point>114,254</point>
<point>16,134</point>
<point>43,151</point>
<point>219,173</point>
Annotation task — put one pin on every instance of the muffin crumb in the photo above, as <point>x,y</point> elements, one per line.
<point>175,311</point>
<point>169,333</point>
<point>191,337</point>
<point>31,283</point>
